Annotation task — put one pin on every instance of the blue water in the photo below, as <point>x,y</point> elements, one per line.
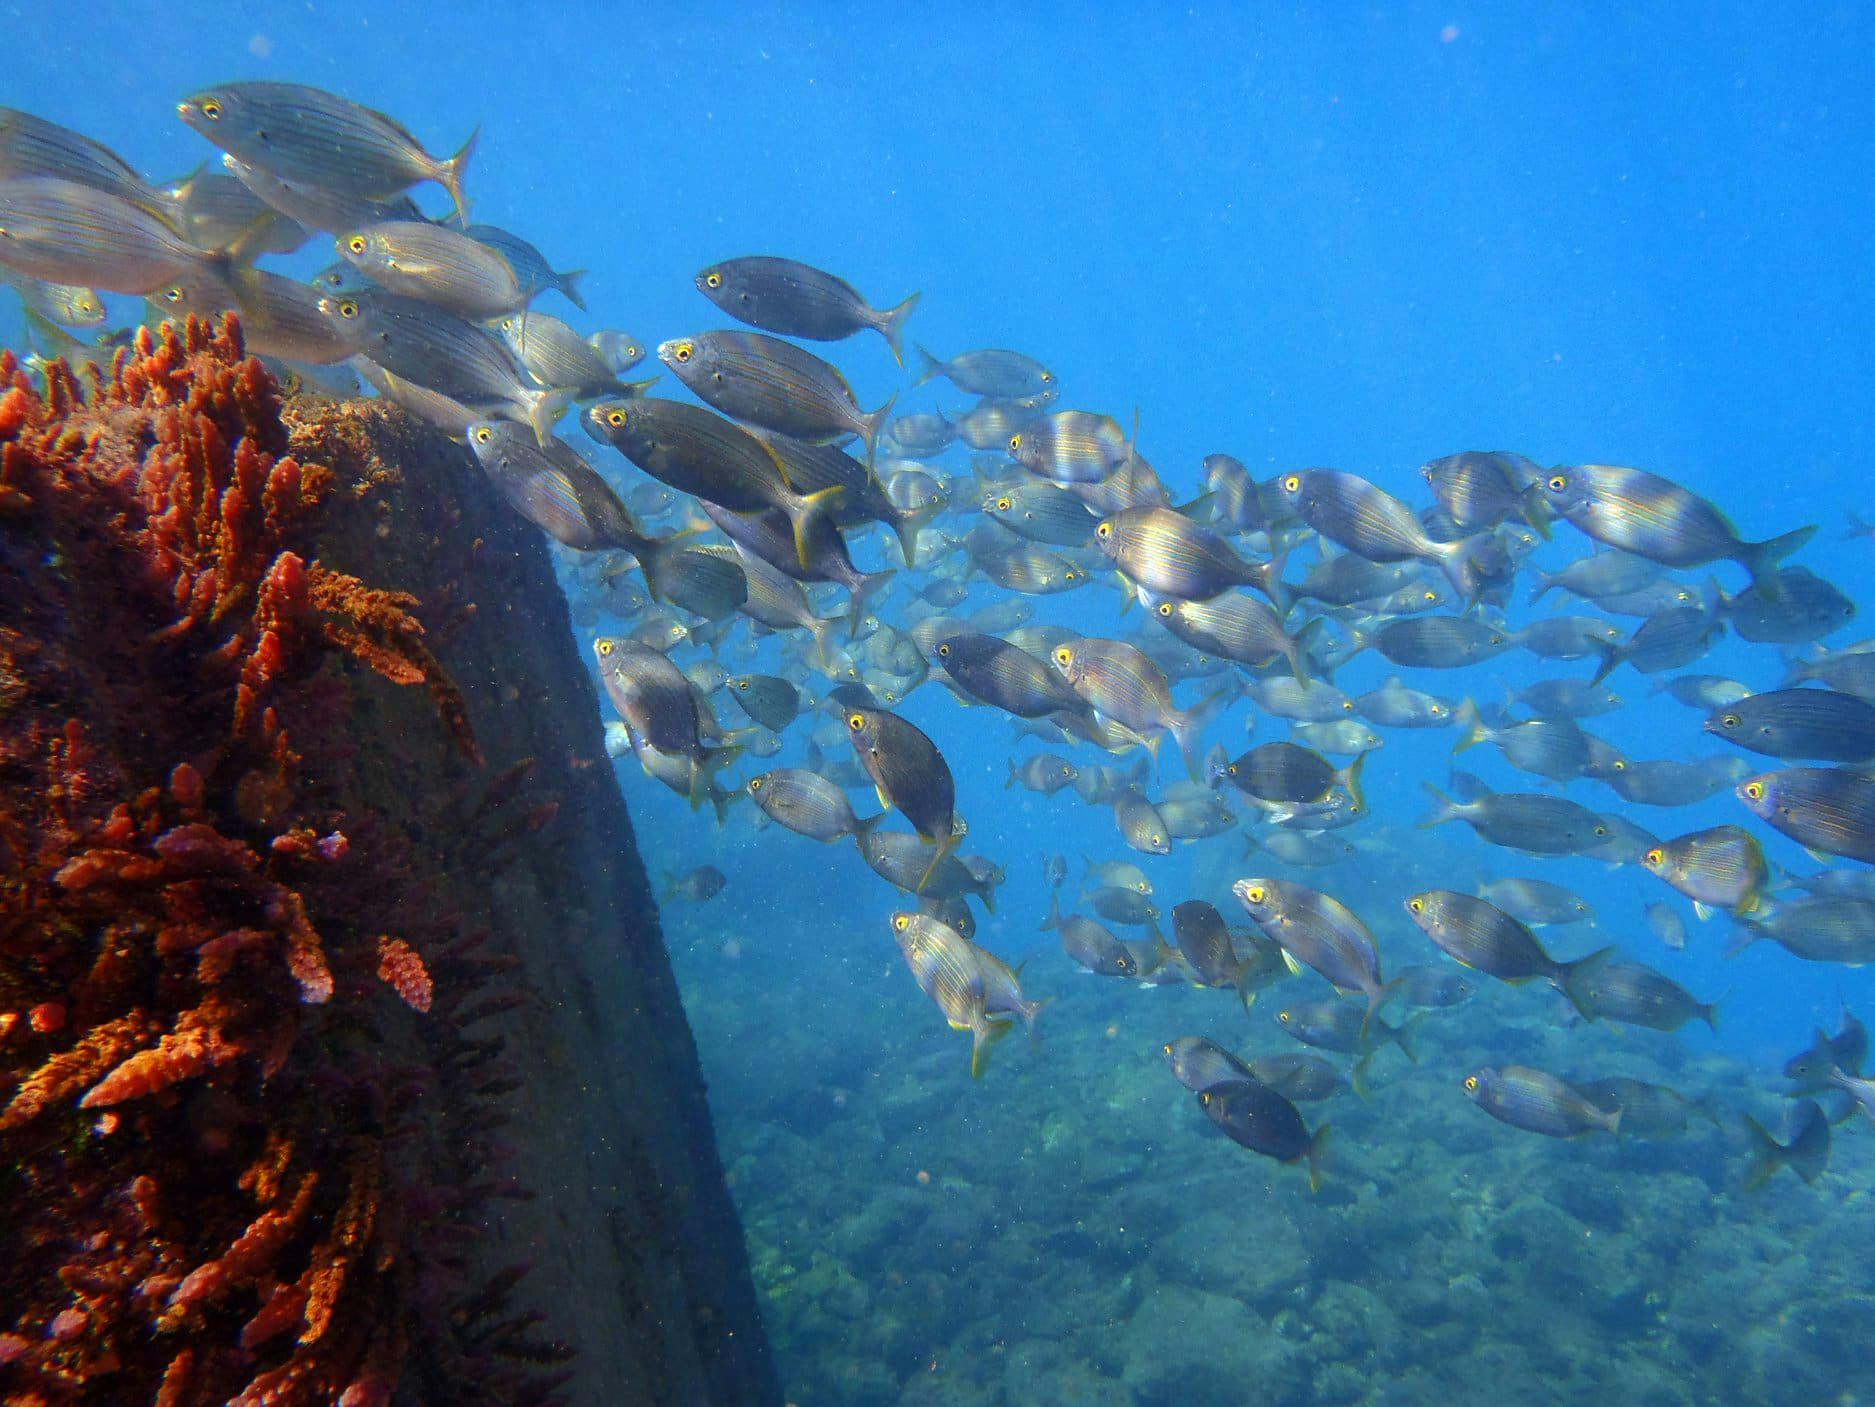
<point>1320,236</point>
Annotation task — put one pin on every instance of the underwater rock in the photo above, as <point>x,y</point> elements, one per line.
<point>309,948</point>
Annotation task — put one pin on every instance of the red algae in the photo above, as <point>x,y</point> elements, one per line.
<point>218,1184</point>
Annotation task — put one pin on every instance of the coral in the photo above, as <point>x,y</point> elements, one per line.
<point>215,1182</point>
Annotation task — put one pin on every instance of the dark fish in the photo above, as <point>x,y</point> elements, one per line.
<point>1795,609</point>
<point>1299,1077</point>
<point>1817,929</point>
<point>698,886</point>
<point>1809,1070</point>
<point>1635,994</point>
<point>945,966</point>
<point>1436,642</point>
<point>697,452</point>
<point>1536,901</point>
<point>1664,921</point>
<point>556,490</point>
<point>708,581</point>
<point>1203,938</point>
<point>1319,931</point>
<point>1647,1110</point>
<point>1282,771</point>
<point>1337,1025</point>
<point>1805,1150</point>
<point>650,693</point>
<point>1806,723</point>
<point>770,537</point>
<point>1430,988</point>
<point>1168,554</point>
<point>1528,821</point>
<point>1045,772</point>
<point>1198,1064</point>
<point>797,300</point>
<point>1258,1118</point>
<point>768,699</point>
<point>903,860</point>
<point>1089,944</point>
<point>990,372</point>
<point>774,384</point>
<point>1655,518</point>
<point>305,134</point>
<point>805,802</point>
<point>909,772</point>
<point>1120,904</point>
<point>1484,938</point>
<point>996,672</point>
<point>1355,514</point>
<point>1538,1102</point>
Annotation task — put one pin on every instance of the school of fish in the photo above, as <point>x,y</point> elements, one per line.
<point>733,518</point>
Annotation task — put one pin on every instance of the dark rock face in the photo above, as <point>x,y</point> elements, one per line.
<point>637,1254</point>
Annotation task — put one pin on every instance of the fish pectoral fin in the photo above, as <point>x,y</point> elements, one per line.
<point>1702,911</point>
<point>1289,961</point>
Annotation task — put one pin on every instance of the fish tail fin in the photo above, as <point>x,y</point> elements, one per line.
<point>1768,1155</point>
<point>1407,1032</point>
<point>1610,657</point>
<point>804,513</point>
<point>1745,932</point>
<point>1444,808</point>
<point>874,423</point>
<point>1303,643</point>
<point>1544,585</point>
<point>1312,1157</point>
<point>1246,990</point>
<point>1613,1124</point>
<point>568,284</point>
<point>929,367</point>
<point>1357,1077</point>
<point>984,1034</point>
<point>891,326</point>
<point>1761,558</point>
<point>865,587</point>
<point>1808,1153</point>
<point>1187,729</point>
<point>1028,1011</point>
<point>721,802</point>
<point>1351,779</point>
<point>1709,1013</point>
<point>450,173</point>
<point>909,523</point>
<point>1269,580</point>
<point>1471,730</point>
<point>1054,912</point>
<point>1858,526</point>
<point>1009,781</point>
<point>545,407</point>
<point>1536,511</point>
<point>941,852</point>
<point>1471,562</point>
<point>1571,975</point>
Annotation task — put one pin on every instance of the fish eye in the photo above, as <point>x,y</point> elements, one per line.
<point>1047,377</point>
<point>1418,906</point>
<point>713,279</point>
<point>1654,856</point>
<point>945,649</point>
<point>1347,706</point>
<point>1431,595</point>
<point>755,783</point>
<point>1015,443</point>
<point>348,309</point>
<point>1557,483</point>
<point>1104,531</point>
<point>1254,894</point>
<point>605,647</point>
<point>615,418</point>
<point>1437,710</point>
<point>1731,720</point>
<point>1166,1048</point>
<point>356,244</point>
<point>681,352</point>
<point>1004,504</point>
<point>1471,1082</point>
<point>1292,483</point>
<point>1284,1017</point>
<point>1231,770</point>
<point>1064,656</point>
<point>855,721</point>
<point>484,435</point>
<point>901,923</point>
<point>1754,790</point>
<point>1141,886</point>
<point>1165,610</point>
<point>211,109</point>
<point>1601,830</point>
<point>741,684</point>
<point>173,294</point>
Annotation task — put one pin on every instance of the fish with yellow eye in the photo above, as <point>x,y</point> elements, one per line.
<point>1538,1102</point>
<point>1254,1116</point>
<point>557,491</point>
<point>437,265</point>
<point>1367,520</point>
<point>1827,809</point>
<point>1033,571</point>
<point>999,674</point>
<point>774,385</point>
<point>1042,512</point>
<point>1820,724</point>
<point>1653,517</point>
<point>989,371</point>
<point>909,774</point>
<point>557,355</point>
<point>798,300</point>
<point>1719,868</point>
<point>1167,553</point>
<point>1480,489</point>
<point>1071,447</point>
<point>946,967</point>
